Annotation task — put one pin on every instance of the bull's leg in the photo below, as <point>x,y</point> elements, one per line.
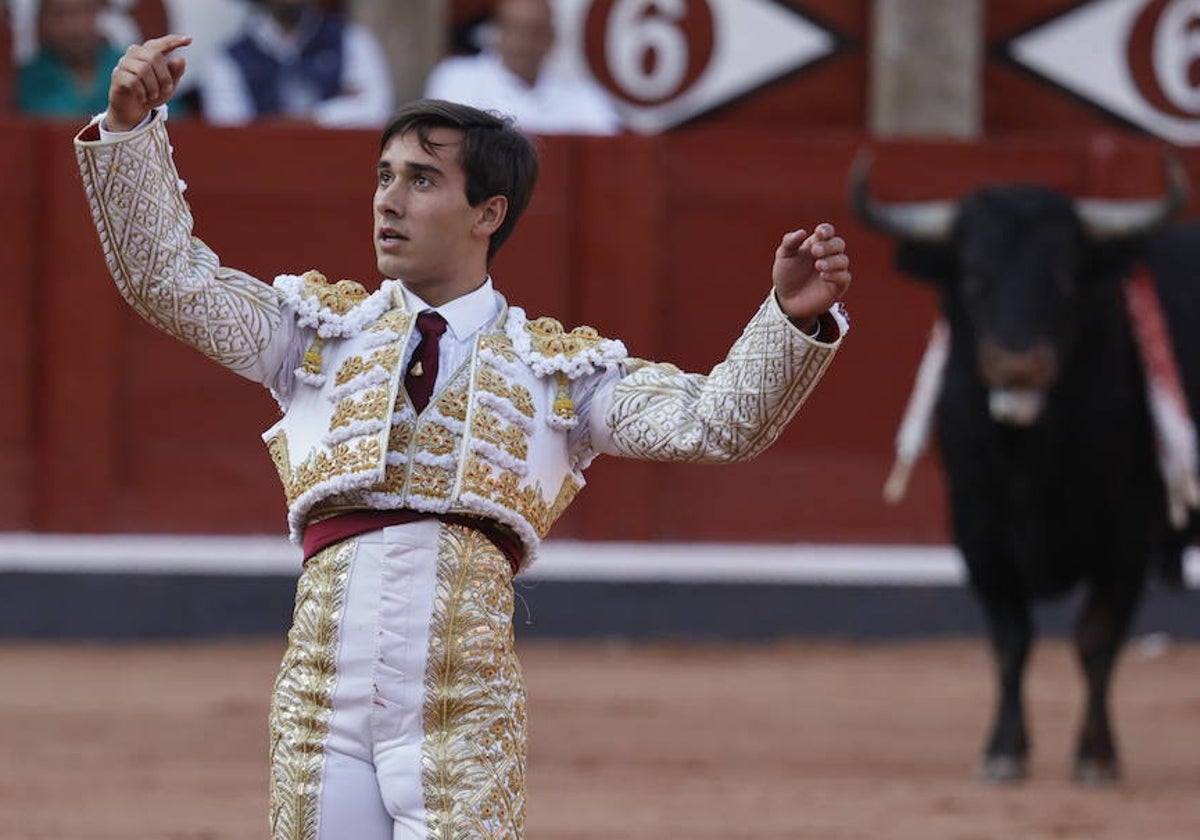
<point>1010,629</point>
<point>1099,634</point>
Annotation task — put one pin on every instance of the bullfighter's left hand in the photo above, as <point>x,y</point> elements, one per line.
<point>811,273</point>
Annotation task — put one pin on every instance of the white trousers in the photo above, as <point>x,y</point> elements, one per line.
<point>399,710</point>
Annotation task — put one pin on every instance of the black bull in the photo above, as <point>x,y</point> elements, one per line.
<point>1042,421</point>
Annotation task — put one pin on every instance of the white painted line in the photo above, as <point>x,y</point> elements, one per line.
<point>901,565</point>
<point>561,560</point>
<point>152,554</point>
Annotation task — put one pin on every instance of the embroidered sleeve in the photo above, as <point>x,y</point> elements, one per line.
<point>660,413</point>
<point>167,275</point>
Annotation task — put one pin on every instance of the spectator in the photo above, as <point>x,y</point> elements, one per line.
<point>69,74</point>
<point>296,61</point>
<point>513,77</point>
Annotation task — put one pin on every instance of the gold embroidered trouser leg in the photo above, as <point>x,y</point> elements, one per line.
<point>302,702</point>
<point>399,712</point>
<point>473,758</point>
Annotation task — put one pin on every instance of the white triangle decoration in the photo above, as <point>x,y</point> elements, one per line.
<point>1085,51</point>
<point>755,42</point>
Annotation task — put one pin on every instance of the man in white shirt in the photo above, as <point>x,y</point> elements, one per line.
<point>512,77</point>
<point>294,61</point>
<point>431,436</point>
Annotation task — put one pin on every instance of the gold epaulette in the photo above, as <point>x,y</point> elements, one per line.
<point>548,337</point>
<point>339,298</point>
<point>551,350</point>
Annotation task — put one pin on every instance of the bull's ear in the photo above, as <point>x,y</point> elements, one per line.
<point>926,261</point>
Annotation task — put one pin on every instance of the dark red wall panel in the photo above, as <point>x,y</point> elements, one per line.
<point>663,241</point>
<point>19,359</point>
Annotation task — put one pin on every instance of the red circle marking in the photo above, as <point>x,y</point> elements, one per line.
<point>1139,55</point>
<point>696,25</point>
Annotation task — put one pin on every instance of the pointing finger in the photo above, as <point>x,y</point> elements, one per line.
<point>168,43</point>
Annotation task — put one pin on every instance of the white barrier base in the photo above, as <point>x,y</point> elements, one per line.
<point>562,560</point>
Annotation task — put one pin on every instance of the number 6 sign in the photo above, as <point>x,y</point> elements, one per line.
<point>1134,58</point>
<point>666,61</point>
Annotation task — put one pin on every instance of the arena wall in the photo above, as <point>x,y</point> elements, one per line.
<point>664,241</point>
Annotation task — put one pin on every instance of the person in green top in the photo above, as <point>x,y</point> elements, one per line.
<point>69,76</point>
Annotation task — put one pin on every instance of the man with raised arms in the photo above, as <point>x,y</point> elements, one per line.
<point>431,434</point>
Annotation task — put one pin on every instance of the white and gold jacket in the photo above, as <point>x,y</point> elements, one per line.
<point>505,437</point>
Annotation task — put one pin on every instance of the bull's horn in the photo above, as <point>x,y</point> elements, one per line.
<point>1116,218</point>
<point>924,221</point>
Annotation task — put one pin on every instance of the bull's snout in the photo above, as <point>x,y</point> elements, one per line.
<point>1032,369</point>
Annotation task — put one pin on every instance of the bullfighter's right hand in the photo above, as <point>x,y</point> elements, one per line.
<point>145,77</point>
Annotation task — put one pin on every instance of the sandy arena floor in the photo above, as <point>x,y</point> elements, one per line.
<point>801,740</point>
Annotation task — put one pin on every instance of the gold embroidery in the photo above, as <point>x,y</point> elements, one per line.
<point>548,338</point>
<point>373,405</point>
<point>500,344</point>
<point>393,479</point>
<point>505,489</point>
<point>516,393</point>
<point>302,700</point>
<point>339,297</point>
<point>489,428</point>
<point>513,439</point>
<point>386,358</point>
<point>277,447</point>
<point>732,414</point>
<point>566,494</point>
<point>477,476</point>
<point>431,481</point>
<point>473,753</point>
<point>564,407</point>
<point>522,399</point>
<point>395,320</point>
<point>167,276</point>
<point>453,403</point>
<point>436,439</point>
<point>312,356</point>
<point>343,459</point>
<point>400,437</point>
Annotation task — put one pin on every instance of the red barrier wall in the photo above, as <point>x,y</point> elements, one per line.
<point>665,242</point>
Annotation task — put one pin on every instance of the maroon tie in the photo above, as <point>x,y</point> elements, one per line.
<point>423,367</point>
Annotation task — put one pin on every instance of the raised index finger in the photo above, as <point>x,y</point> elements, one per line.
<point>166,44</point>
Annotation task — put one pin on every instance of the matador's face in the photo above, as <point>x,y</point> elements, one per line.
<point>426,234</point>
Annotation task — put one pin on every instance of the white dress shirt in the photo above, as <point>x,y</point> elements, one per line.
<point>465,316</point>
<point>366,101</point>
<point>556,104</point>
